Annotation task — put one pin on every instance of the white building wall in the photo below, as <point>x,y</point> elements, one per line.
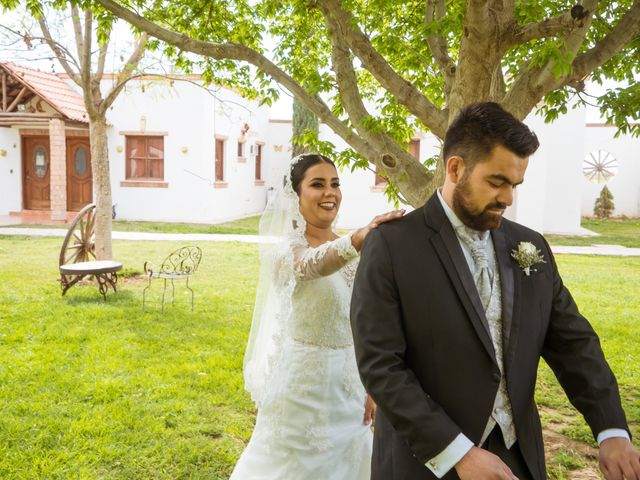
<point>625,186</point>
<point>549,199</point>
<point>10,171</point>
<point>192,118</point>
<point>562,150</point>
<point>279,148</point>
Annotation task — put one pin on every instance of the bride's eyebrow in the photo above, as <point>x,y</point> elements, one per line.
<point>322,179</point>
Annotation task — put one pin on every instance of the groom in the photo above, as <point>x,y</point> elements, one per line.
<point>449,328</point>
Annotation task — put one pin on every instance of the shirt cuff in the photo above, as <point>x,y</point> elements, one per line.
<point>612,433</point>
<point>446,460</point>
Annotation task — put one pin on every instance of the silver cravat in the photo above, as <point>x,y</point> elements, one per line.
<point>482,274</point>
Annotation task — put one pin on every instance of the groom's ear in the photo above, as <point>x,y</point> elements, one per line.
<point>455,168</point>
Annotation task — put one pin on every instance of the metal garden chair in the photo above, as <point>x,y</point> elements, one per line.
<point>179,265</point>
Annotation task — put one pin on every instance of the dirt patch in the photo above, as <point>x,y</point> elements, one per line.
<point>134,280</point>
<point>556,444</point>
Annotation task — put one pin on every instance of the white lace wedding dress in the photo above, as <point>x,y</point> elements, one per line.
<point>310,423</point>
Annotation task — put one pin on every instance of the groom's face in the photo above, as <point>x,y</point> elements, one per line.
<point>483,192</point>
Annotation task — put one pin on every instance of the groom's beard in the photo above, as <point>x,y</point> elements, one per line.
<point>468,214</point>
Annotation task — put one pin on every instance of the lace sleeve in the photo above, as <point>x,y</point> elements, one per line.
<point>311,263</point>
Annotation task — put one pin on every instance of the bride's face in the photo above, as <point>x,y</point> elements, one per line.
<point>320,195</point>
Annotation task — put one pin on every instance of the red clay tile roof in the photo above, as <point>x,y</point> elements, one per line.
<point>52,89</point>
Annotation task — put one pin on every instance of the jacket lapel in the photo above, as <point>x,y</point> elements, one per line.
<point>510,285</point>
<point>448,249</point>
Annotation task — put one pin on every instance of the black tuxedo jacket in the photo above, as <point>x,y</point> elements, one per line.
<point>425,354</point>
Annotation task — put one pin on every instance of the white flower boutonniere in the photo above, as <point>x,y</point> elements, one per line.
<point>527,255</point>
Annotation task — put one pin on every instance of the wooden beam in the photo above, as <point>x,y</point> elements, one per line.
<point>29,117</point>
<point>23,123</point>
<point>16,100</point>
<point>4,92</point>
<point>12,90</point>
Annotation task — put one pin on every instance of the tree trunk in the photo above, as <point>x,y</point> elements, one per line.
<point>303,119</point>
<point>101,186</point>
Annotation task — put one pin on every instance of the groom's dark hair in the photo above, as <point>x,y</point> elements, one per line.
<point>302,164</point>
<point>479,127</point>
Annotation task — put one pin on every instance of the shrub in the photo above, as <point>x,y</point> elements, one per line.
<point>604,205</point>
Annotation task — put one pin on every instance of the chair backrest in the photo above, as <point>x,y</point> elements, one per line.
<point>183,261</point>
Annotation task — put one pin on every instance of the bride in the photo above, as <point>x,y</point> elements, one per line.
<point>313,413</point>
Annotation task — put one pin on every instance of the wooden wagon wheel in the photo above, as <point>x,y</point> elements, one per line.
<point>79,243</point>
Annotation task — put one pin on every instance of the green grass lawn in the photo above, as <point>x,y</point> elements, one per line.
<point>606,290</point>
<point>613,231</point>
<point>244,226</point>
<point>92,389</point>
<point>106,390</point>
<point>248,226</point>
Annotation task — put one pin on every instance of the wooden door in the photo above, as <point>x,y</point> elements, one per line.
<point>219,160</point>
<point>36,161</point>
<point>79,178</point>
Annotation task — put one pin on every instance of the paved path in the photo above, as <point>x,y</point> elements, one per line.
<point>595,249</point>
<point>207,237</point>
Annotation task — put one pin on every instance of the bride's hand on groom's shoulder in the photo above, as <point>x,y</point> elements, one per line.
<point>357,238</point>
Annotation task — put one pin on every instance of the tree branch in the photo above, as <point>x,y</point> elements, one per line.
<point>409,96</point>
<point>77,31</point>
<point>59,51</point>
<point>396,162</point>
<point>127,71</point>
<point>534,83</point>
<point>626,29</point>
<point>86,57</point>
<point>549,27</point>
<point>234,51</point>
<point>90,86</point>
<point>96,77</point>
<point>102,56</point>
<point>498,86</point>
<point>435,11</point>
<point>348,85</point>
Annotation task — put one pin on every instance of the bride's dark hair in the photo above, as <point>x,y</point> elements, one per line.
<point>303,164</point>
